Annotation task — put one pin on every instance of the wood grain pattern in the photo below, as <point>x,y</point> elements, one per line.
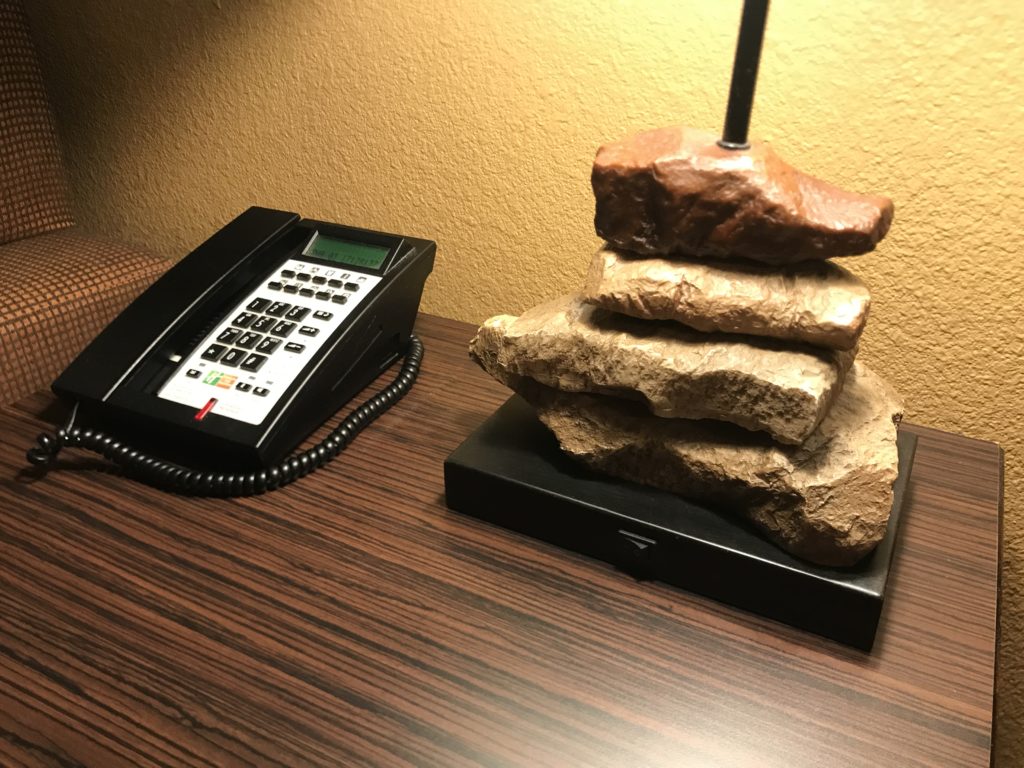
<point>352,619</point>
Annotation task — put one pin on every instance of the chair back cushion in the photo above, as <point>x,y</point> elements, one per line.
<point>60,290</point>
<point>33,185</point>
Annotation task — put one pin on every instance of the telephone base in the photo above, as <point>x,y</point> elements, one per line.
<point>249,344</point>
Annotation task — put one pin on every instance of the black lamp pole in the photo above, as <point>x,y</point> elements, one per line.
<point>744,75</point>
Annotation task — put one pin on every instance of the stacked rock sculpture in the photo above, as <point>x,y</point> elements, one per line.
<point>711,351</point>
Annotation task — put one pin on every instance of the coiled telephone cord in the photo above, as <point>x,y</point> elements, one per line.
<point>193,482</point>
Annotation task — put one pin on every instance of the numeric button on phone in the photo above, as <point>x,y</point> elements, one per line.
<point>253,362</point>
<point>258,305</point>
<point>321,315</point>
<point>291,346</point>
<point>308,330</point>
<point>232,357</point>
<point>263,324</point>
<point>283,328</point>
<point>228,335</point>
<point>278,308</point>
<point>213,352</point>
<point>248,340</point>
<point>244,320</point>
<point>268,345</point>
<point>297,313</point>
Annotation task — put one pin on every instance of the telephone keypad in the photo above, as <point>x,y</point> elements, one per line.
<point>283,328</point>
<point>214,351</point>
<point>239,357</point>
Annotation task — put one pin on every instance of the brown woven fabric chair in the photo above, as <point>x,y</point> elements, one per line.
<point>59,286</point>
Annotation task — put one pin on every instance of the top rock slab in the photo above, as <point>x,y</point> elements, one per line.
<point>675,191</point>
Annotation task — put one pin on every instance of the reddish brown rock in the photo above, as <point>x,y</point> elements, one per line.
<point>675,191</point>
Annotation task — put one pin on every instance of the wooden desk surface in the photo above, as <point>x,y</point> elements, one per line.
<point>352,619</point>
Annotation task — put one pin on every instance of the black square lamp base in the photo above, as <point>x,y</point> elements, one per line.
<point>510,471</point>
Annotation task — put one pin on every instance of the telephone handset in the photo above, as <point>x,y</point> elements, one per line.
<point>243,349</point>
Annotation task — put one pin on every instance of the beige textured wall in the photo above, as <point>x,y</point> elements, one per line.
<point>475,123</point>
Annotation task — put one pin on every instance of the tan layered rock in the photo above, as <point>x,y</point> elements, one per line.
<point>815,302</point>
<point>675,191</point>
<point>827,500</point>
<point>759,384</point>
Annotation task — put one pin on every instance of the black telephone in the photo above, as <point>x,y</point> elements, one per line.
<point>243,349</point>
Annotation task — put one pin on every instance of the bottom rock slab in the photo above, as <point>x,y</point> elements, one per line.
<point>826,501</point>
